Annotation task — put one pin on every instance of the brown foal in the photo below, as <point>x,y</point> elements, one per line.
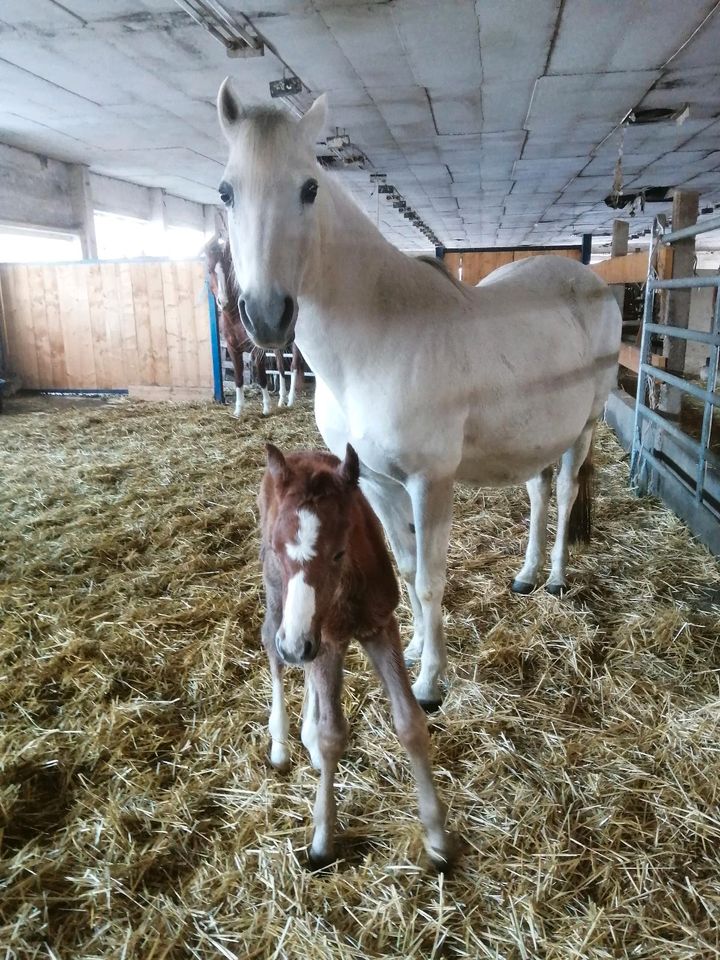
<point>328,578</point>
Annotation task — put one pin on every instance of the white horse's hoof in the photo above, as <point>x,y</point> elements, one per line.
<point>237,413</point>
<point>428,695</point>
<point>522,586</point>
<point>556,588</point>
<point>320,859</point>
<point>279,756</point>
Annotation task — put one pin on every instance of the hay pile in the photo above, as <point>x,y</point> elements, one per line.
<point>577,749</point>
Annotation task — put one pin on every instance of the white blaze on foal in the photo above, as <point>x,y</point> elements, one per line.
<point>299,608</point>
<point>308,528</point>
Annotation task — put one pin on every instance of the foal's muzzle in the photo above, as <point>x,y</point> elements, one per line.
<point>304,649</point>
<point>270,321</point>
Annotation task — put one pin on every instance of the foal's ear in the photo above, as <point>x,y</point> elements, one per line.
<point>229,109</point>
<point>349,469</point>
<point>312,123</point>
<point>276,463</point>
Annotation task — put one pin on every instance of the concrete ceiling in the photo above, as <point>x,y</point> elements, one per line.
<point>498,122</point>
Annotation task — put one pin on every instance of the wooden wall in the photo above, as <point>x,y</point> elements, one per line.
<point>477,264</point>
<point>107,325</point>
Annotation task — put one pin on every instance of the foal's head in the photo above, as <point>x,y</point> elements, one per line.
<point>307,504</point>
<point>269,188</point>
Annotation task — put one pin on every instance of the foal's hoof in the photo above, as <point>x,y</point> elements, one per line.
<point>430,706</point>
<point>522,586</point>
<point>556,589</point>
<point>443,860</point>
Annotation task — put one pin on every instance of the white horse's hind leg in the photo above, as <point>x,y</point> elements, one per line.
<point>390,501</point>
<point>538,489</point>
<point>291,395</point>
<point>567,490</point>
<point>432,509</point>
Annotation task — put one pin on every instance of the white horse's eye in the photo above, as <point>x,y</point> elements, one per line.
<point>226,193</point>
<point>309,191</point>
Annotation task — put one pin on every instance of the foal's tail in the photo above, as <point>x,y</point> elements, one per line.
<point>580,524</point>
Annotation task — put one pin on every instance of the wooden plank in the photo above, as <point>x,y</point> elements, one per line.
<point>82,323</point>
<point>142,391</point>
<point>630,357</point>
<point>175,342</point>
<point>56,345</point>
<point>629,269</point>
<point>141,309</point>
<point>24,329</point>
<point>103,378</point>
<point>128,333</point>
<point>38,319</point>
<point>76,329</point>
<point>620,234</point>
<point>198,292</point>
<point>112,316</point>
<point>158,333</point>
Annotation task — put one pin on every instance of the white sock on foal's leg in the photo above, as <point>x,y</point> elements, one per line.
<point>239,401</point>
<point>265,400</point>
<point>278,726</point>
<point>291,395</point>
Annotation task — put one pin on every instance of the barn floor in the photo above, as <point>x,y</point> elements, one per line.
<point>578,747</point>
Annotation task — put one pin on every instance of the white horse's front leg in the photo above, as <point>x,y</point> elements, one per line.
<point>538,489</point>
<point>291,395</point>
<point>390,501</point>
<point>432,509</point>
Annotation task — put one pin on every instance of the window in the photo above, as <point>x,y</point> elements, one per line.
<point>34,245</point>
<point>120,237</point>
<point>181,242</point>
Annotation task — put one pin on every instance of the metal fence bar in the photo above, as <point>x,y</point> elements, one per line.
<point>642,383</point>
<point>679,434</point>
<point>684,283</point>
<point>685,233</point>
<point>697,335</point>
<point>672,380</point>
<point>710,401</point>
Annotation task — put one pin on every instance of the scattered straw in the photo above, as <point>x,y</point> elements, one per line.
<point>577,749</point>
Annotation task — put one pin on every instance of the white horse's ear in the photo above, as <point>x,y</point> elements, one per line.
<point>228,108</point>
<point>312,123</point>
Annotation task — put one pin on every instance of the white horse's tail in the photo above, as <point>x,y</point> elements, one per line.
<point>580,524</point>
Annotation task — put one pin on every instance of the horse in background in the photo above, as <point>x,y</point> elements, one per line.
<point>328,578</point>
<point>225,290</point>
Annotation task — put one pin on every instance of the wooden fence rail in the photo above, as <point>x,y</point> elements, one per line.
<point>108,325</point>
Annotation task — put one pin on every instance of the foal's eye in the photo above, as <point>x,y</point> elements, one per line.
<point>339,555</point>
<point>226,193</point>
<point>309,191</point>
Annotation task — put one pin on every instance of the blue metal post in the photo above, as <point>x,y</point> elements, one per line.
<point>218,391</point>
<point>586,247</point>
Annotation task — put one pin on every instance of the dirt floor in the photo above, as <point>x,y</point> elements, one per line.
<point>578,748</point>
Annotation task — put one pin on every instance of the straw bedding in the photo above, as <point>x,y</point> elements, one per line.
<point>577,748</point>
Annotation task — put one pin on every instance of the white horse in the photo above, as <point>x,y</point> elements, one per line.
<point>498,383</point>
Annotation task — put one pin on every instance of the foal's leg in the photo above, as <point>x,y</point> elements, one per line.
<point>278,725</point>
<point>432,511</point>
<point>538,489</point>
<point>260,362</point>
<point>567,490</point>
<point>390,501</point>
<point>297,376</point>
<point>324,733</point>
<point>282,392</point>
<point>385,653</point>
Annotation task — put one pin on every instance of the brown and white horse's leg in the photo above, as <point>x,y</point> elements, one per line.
<point>324,734</point>
<point>432,511</point>
<point>390,501</point>
<point>297,376</point>
<point>538,489</point>
<point>568,485</point>
<point>282,391</point>
<point>385,652</point>
<point>236,355</point>
<point>278,725</point>
<point>260,363</point>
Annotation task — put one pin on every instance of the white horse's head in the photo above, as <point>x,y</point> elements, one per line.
<point>269,187</point>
